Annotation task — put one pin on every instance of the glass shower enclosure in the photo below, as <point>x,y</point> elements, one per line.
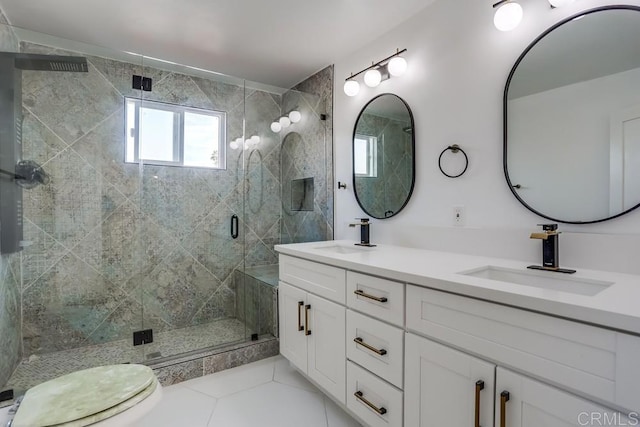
<point>142,223</point>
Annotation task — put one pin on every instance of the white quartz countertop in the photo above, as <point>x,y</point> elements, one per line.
<point>617,306</point>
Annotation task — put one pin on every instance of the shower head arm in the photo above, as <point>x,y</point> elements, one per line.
<point>11,174</point>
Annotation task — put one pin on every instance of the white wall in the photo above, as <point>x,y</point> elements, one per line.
<point>458,66</point>
<point>573,123</point>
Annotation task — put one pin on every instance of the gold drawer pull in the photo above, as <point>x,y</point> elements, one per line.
<point>359,341</point>
<point>504,398</point>
<point>479,388</point>
<point>300,305</point>
<point>362,294</point>
<point>307,331</point>
<point>381,410</point>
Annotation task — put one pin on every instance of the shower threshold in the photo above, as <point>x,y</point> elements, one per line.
<point>167,346</point>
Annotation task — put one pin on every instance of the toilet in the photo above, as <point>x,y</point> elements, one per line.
<point>106,396</point>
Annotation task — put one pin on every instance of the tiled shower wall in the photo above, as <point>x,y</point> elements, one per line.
<point>307,152</point>
<point>109,238</point>
<point>10,349</point>
<point>10,346</point>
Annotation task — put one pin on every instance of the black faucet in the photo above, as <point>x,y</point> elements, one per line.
<point>550,252</point>
<point>364,232</point>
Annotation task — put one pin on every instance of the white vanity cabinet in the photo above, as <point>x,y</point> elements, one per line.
<point>375,349</point>
<point>595,362</point>
<point>524,402</point>
<point>445,387</point>
<point>312,329</point>
<point>401,354</point>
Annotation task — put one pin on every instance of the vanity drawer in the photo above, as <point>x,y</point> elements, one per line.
<point>379,395</point>
<point>375,337</point>
<point>320,279</point>
<point>592,361</point>
<point>380,298</point>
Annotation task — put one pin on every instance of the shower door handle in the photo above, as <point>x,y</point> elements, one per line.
<point>234,226</point>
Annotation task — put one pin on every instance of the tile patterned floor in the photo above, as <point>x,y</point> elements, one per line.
<point>267,393</point>
<point>42,368</point>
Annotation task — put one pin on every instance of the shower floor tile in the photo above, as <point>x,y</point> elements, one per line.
<point>41,368</point>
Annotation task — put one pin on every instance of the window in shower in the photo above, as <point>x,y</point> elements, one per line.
<point>173,135</point>
<point>365,156</point>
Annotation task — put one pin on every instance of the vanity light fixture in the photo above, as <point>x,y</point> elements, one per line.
<point>246,144</point>
<point>294,116</point>
<point>394,65</point>
<point>509,13</point>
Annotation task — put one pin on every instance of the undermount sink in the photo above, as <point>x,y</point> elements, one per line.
<point>341,249</point>
<point>540,279</point>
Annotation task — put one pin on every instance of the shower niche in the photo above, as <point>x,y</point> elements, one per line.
<point>302,194</point>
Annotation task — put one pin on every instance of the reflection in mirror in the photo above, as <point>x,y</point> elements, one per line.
<point>572,118</point>
<point>383,156</point>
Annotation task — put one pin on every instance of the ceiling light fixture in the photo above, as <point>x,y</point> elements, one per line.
<point>393,65</point>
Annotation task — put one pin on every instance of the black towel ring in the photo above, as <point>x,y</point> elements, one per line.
<point>454,149</point>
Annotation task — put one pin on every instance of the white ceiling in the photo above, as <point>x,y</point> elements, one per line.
<point>276,42</point>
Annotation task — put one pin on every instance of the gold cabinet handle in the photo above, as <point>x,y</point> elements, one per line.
<point>479,388</point>
<point>307,331</point>
<point>375,298</point>
<point>504,398</point>
<point>300,326</point>
<point>361,342</point>
<point>381,410</point>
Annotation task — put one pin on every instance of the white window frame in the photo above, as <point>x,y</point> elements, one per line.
<point>178,132</point>
<point>372,156</point>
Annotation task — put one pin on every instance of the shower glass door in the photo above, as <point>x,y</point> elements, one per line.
<point>192,185</point>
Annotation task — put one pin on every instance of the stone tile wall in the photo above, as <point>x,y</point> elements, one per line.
<point>307,151</point>
<point>257,303</point>
<point>10,349</point>
<point>110,238</point>
<point>10,345</point>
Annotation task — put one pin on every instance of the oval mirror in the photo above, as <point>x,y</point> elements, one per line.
<point>383,156</point>
<point>572,118</point>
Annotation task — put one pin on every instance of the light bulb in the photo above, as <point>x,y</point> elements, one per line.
<point>560,3</point>
<point>372,78</point>
<point>234,145</point>
<point>255,140</point>
<point>276,127</point>
<point>285,122</point>
<point>508,16</point>
<point>397,66</point>
<point>351,87</point>
<point>295,116</point>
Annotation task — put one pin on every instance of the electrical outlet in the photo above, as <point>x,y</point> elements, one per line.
<point>458,216</point>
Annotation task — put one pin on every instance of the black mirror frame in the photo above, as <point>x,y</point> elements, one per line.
<point>413,159</point>
<point>512,187</point>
